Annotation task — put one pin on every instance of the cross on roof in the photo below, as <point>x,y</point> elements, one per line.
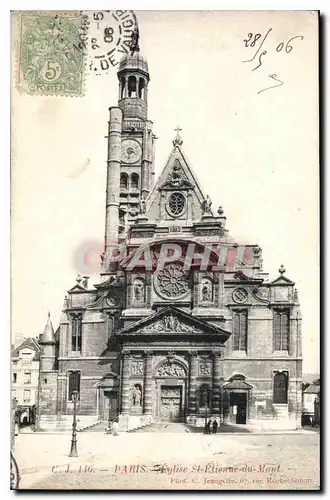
<point>177,141</point>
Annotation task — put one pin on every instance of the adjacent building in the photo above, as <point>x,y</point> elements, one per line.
<point>184,323</point>
<point>25,378</point>
<point>310,394</point>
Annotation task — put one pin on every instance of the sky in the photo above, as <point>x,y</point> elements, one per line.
<point>255,153</point>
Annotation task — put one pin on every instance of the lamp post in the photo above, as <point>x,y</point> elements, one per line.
<point>73,450</point>
<point>206,408</point>
<point>14,407</point>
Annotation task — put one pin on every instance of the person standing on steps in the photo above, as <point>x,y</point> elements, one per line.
<point>215,426</point>
<point>115,428</point>
<point>208,427</point>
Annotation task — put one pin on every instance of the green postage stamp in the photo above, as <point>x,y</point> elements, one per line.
<point>52,51</point>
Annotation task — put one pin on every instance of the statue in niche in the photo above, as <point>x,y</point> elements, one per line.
<point>204,398</point>
<point>206,292</point>
<point>206,205</point>
<point>137,395</point>
<point>143,206</point>
<point>138,291</point>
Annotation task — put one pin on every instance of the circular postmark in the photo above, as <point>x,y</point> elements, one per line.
<point>14,473</point>
<point>112,34</point>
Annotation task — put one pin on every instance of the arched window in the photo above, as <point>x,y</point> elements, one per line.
<point>141,88</point>
<point>280,388</point>
<point>206,290</point>
<point>132,86</point>
<point>123,181</point>
<point>135,181</point>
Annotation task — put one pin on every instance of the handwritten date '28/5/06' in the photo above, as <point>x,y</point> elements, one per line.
<point>254,40</point>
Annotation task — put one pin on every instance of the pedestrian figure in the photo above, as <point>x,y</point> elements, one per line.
<point>205,428</point>
<point>215,426</point>
<point>115,428</point>
<point>208,427</point>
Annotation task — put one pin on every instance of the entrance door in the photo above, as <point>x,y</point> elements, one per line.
<point>110,408</point>
<point>170,404</point>
<point>238,401</point>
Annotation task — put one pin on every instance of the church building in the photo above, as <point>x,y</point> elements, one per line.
<point>184,324</point>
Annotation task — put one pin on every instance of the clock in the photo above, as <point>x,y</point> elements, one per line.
<point>131,151</point>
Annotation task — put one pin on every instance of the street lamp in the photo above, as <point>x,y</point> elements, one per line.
<point>206,408</point>
<point>13,422</point>
<point>73,450</point>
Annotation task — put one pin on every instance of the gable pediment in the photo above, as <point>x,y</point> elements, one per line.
<point>174,322</point>
<point>177,175</point>
<point>282,280</point>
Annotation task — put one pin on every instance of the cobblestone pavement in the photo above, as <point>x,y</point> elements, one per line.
<point>164,461</point>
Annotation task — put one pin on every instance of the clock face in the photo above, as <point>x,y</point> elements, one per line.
<point>130,151</point>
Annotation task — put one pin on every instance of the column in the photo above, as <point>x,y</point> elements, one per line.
<point>217,382</point>
<point>125,391</point>
<point>147,401</point>
<point>193,373</point>
<point>126,87</point>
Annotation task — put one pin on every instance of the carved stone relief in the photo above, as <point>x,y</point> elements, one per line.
<point>170,324</point>
<point>176,177</point>
<point>240,295</point>
<point>171,370</point>
<point>205,368</point>
<point>137,368</point>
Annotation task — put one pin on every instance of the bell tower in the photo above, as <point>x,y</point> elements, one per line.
<point>130,148</point>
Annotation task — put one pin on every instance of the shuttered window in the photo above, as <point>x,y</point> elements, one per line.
<point>74,383</point>
<point>240,330</point>
<point>76,333</point>
<point>281,330</point>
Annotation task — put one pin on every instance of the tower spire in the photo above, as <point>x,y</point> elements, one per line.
<point>48,333</point>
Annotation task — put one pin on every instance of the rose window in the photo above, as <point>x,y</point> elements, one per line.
<point>176,204</point>
<point>172,281</point>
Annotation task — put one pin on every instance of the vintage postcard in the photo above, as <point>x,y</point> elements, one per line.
<point>165,250</point>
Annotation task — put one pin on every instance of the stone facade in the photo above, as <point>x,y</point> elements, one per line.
<point>184,324</point>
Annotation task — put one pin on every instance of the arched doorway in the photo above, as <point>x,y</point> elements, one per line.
<point>237,392</point>
<point>170,377</point>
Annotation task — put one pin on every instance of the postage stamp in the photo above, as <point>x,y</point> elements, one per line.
<point>52,50</point>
